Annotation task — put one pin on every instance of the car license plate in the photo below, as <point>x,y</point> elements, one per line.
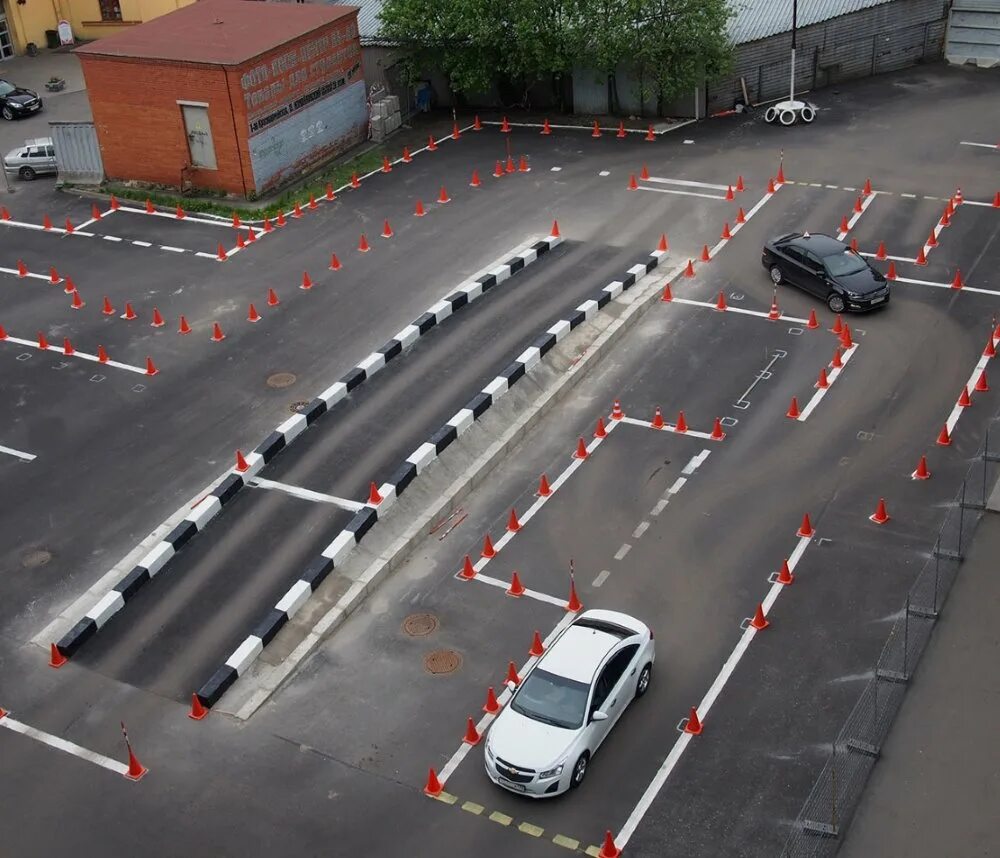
<point>514,786</point>
<point>34,107</point>
<point>878,300</point>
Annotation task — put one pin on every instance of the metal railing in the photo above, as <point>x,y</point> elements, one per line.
<point>837,792</point>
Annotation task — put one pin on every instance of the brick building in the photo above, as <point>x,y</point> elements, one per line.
<point>227,95</point>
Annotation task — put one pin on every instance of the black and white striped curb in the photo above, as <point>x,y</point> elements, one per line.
<point>335,554</point>
<point>210,506</point>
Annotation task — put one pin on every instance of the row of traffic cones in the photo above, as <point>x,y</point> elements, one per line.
<point>69,350</point>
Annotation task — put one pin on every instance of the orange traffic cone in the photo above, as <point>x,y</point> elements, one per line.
<point>921,473</point>
<point>844,225</point>
<point>573,604</point>
<point>488,549</point>
<point>110,311</point>
<point>267,225</point>
<point>217,335</point>
<point>184,327</point>
<point>705,255</point>
<point>932,239</point>
<point>944,437</point>
<point>22,269</point>
<point>386,230</point>
<point>334,262</point>
<point>516,588</point>
<point>657,422</point>
<point>740,217</point>
<point>150,366</point>
<point>306,281</point>
<point>621,130</point>
<point>633,185</point>
<point>785,575</point>
<point>891,273</point>
<point>616,410</point>
<point>522,165</point>
<point>54,276</point>
<point>419,210</point>
<point>434,787</point>
<point>179,214</point>
<point>498,172</point>
<point>599,430</point>
<point>775,312</point>
<point>667,294</point>
<point>157,319</point>
<point>443,196</point>
<point>822,382</point>
<point>78,302</point>
<point>513,525</point>
<point>252,314</point>
<point>46,222</point>
<point>780,178</point>
<point>689,270</point>
<point>468,570</point>
<point>759,621</point>
<point>921,257</point>
<point>386,166</point>
<point>455,133</point>
<point>664,245</point>
<point>693,725</point>
<point>730,196</point>
<point>726,234</point>
<point>95,212</point>
<point>720,303</point>
<point>492,705</point>
<point>681,425</point>
<point>102,355</point>
<point>608,849</point>
<point>793,409</point>
<point>717,433</point>
<point>546,128</point>
<point>43,342</point>
<point>597,130</point>
<point>857,206</point>
<point>770,186</point>
<point>880,516</point>
<point>363,245</point>
<point>241,462</point>
<point>135,769</point>
<point>537,647</point>
<point>56,658</point>
<point>220,254</point>
<point>867,191</point>
<point>505,125</point>
<point>957,282</point>
<point>740,187</point>
<point>644,173</point>
<point>330,195</point>
<point>982,384</point>
<point>512,674</point>
<point>813,322</point>
<point>198,709</point>
<point>509,166</point>
<point>880,253</point>
<point>845,338</point>
<point>581,450</point>
<point>431,145</point>
<point>554,233</point>
<point>963,398</point>
<point>805,530</point>
<point>990,350</point>
<point>474,182</point>
<point>471,736</point>
<point>476,124</point>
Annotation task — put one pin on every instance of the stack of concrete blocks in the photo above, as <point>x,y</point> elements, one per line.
<point>385,117</point>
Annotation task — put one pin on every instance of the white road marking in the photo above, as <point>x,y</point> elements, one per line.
<point>531,594</point>
<point>640,529</point>
<point>667,427</point>
<point>695,463</point>
<point>555,169</point>
<point>188,218</point>
<point>956,412</point>
<point>908,196</point>
<point>604,173</point>
<point>947,286</point>
<point>10,451</point>
<point>832,187</point>
<point>909,259</point>
<point>682,193</point>
<point>307,494</point>
<point>728,668</point>
<point>30,274</point>
<point>64,745</point>
<point>601,578</point>
<point>686,183</point>
<point>173,249</point>
<point>621,552</point>
<point>111,238</point>
<point>659,506</point>
<point>983,145</point>
<point>831,377</point>
<point>865,203</point>
<point>76,354</point>
<point>487,719</point>
<point>738,310</point>
<point>138,243</point>
<point>988,205</point>
<point>204,255</point>
<point>677,486</point>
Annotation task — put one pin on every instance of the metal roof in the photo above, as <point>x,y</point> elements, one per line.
<point>758,19</point>
<point>220,32</point>
<point>369,24</point>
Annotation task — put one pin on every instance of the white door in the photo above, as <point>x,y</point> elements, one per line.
<point>199,135</point>
<point>6,45</point>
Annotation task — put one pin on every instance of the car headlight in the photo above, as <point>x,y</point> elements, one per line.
<point>855,296</point>
<point>489,752</point>
<point>551,773</point>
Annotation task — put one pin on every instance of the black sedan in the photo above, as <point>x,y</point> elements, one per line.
<point>15,101</point>
<point>826,268</point>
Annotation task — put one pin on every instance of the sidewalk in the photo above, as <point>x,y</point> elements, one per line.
<point>33,72</point>
<point>936,789</point>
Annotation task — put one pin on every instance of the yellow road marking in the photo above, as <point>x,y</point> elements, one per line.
<point>528,828</point>
<point>593,851</point>
<point>472,807</point>
<point>446,797</point>
<point>502,818</point>
<point>567,842</point>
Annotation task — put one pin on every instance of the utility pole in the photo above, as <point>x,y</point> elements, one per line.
<point>795,21</point>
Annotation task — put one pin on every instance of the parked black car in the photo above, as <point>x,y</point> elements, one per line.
<point>827,268</point>
<point>15,101</point>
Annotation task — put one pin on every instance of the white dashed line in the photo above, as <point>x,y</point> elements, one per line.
<point>601,578</point>
<point>172,249</point>
<point>677,486</point>
<point>63,745</point>
<point>555,169</point>
<point>642,527</point>
<point>25,457</point>
<point>307,494</point>
<point>659,506</point>
<point>604,173</point>
<point>110,238</point>
<point>621,552</point>
<point>138,243</point>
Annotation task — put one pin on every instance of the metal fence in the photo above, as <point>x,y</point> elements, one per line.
<point>835,795</point>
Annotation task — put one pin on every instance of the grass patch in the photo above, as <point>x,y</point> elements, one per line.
<point>336,176</point>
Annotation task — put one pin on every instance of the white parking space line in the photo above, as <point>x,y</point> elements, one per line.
<point>686,183</point>
<point>956,412</point>
<point>947,286</point>
<point>728,668</point>
<point>456,759</point>
<point>307,494</point>
<point>17,454</point>
<point>602,576</point>
<point>738,310</point>
<point>531,594</point>
<point>865,203</point>
<point>683,193</point>
<point>831,376</point>
<point>983,145</point>
<point>172,249</point>
<point>64,745</point>
<point>640,529</point>
<point>76,354</point>
<point>29,274</point>
<point>668,427</point>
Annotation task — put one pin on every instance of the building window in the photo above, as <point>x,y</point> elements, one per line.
<point>111,10</point>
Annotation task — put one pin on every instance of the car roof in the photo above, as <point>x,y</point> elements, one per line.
<point>38,141</point>
<point>819,243</point>
<point>578,653</point>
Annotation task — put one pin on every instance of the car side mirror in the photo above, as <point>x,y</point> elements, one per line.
<point>599,715</point>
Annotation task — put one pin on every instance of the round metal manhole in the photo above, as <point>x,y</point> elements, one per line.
<point>281,379</point>
<point>298,406</point>
<point>418,625</point>
<point>34,558</point>
<point>442,661</point>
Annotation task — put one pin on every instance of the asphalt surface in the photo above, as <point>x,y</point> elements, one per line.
<point>345,744</point>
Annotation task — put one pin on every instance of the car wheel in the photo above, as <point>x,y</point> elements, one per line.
<point>777,275</point>
<point>642,686</point>
<point>7,113</point>
<point>579,770</point>
<point>27,174</point>
<point>836,302</point>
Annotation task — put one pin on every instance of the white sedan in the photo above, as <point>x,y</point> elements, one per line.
<point>541,743</point>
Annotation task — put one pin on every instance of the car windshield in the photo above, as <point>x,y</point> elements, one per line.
<point>847,262</point>
<point>552,699</point>
<point>6,88</point>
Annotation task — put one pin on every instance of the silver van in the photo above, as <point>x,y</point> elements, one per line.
<point>34,158</point>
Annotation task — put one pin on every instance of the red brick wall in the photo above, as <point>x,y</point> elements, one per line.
<point>140,127</point>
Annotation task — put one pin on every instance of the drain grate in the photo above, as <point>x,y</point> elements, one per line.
<point>34,558</point>
<point>281,379</point>
<point>418,625</point>
<point>442,661</point>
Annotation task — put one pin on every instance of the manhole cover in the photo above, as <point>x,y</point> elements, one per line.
<point>442,661</point>
<point>418,625</point>
<point>298,406</point>
<point>281,379</point>
<point>35,557</point>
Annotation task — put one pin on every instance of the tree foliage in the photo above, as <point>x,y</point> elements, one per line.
<point>668,45</point>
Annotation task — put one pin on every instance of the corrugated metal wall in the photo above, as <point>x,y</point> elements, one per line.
<point>78,154</point>
<point>887,37</point>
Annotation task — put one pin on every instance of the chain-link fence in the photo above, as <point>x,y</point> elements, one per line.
<point>835,795</point>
